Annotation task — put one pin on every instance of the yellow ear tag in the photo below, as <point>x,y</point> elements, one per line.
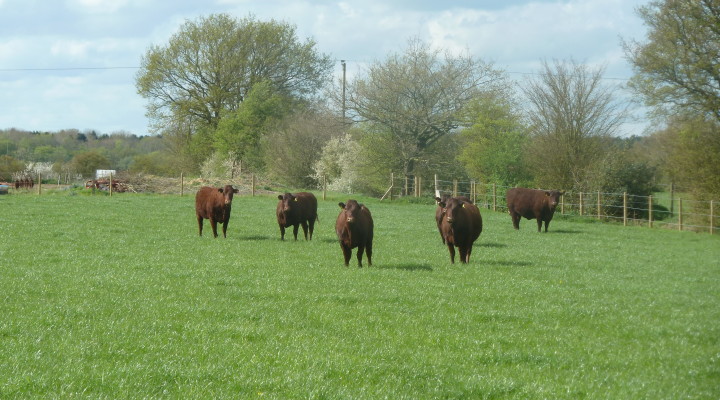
<point>295,199</point>
<point>463,205</point>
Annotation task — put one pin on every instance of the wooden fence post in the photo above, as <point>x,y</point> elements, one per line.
<point>392,183</point>
<point>39,184</point>
<point>624,208</point>
<point>598,204</point>
<point>324,187</point>
<point>454,187</point>
<point>182,184</point>
<point>252,184</point>
<point>494,197</point>
<point>562,204</point>
<point>650,220</point>
<point>472,192</point>
<point>407,189</point>
<point>581,204</point>
<point>110,184</point>
<point>680,221</point>
<point>437,188</point>
<point>712,218</point>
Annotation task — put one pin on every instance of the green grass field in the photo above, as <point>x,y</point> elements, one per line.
<point>118,297</point>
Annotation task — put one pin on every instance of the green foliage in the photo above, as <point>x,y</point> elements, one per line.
<point>86,163</point>
<point>155,163</point>
<point>677,69</point>
<point>418,97</point>
<point>211,66</point>
<point>114,308</point>
<point>493,146</point>
<point>240,132</point>
<point>618,173</point>
<point>8,166</point>
<point>693,150</point>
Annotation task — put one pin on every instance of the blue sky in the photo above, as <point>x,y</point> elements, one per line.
<point>72,63</point>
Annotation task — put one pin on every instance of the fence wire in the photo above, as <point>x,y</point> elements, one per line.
<point>665,211</point>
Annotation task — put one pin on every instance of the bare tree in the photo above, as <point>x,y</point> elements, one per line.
<point>572,116</point>
<point>418,96</point>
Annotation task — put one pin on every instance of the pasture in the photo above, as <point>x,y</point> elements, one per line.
<point>118,297</point>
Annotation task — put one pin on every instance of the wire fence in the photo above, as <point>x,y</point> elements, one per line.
<point>666,209</point>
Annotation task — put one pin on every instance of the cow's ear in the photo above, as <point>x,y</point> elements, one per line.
<point>280,197</point>
<point>236,191</point>
<point>220,190</point>
<point>341,204</point>
<point>438,200</point>
<point>442,204</point>
<point>547,193</point>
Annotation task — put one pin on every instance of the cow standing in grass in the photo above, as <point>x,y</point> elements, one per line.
<point>461,225</point>
<point>439,211</point>
<point>532,204</point>
<point>354,228</point>
<point>214,204</point>
<point>294,210</point>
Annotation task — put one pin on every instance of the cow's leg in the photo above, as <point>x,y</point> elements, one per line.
<point>225,224</point>
<point>213,225</point>
<point>515,220</point>
<point>305,229</point>
<point>295,230</point>
<point>311,224</point>
<point>200,224</point>
<point>451,249</point>
<point>539,222</point>
<point>360,251</point>
<point>347,253</point>
<point>463,254</point>
<point>468,252</point>
<point>546,224</point>
<point>282,232</point>
<point>368,251</point>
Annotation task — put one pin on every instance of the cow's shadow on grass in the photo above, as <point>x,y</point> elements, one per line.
<point>412,267</point>
<point>513,263</point>
<point>564,231</point>
<point>489,244</point>
<point>255,237</point>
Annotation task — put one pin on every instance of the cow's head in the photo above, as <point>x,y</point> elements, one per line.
<point>553,198</point>
<point>228,191</point>
<point>450,208</point>
<point>287,202</point>
<point>351,210</point>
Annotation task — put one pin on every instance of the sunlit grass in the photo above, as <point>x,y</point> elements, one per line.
<point>119,297</point>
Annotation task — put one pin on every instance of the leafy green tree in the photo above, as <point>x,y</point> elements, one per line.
<point>572,117</point>
<point>210,66</point>
<point>292,148</point>
<point>492,148</point>
<point>239,134</point>
<point>8,166</point>
<point>418,96</point>
<point>86,163</point>
<point>677,69</point>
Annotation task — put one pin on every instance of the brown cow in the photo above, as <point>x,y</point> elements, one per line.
<point>298,209</point>
<point>354,228</point>
<point>439,211</point>
<point>532,203</point>
<point>214,204</point>
<point>461,225</point>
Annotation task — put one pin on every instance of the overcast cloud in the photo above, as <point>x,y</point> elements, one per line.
<point>72,63</point>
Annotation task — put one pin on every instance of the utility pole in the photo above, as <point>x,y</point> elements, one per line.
<point>343,91</point>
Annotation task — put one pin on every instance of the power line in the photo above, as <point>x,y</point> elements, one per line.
<point>62,69</point>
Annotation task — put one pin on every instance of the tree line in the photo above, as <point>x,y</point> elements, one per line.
<point>226,95</point>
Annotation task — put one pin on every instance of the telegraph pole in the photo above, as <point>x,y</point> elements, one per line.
<point>343,91</point>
